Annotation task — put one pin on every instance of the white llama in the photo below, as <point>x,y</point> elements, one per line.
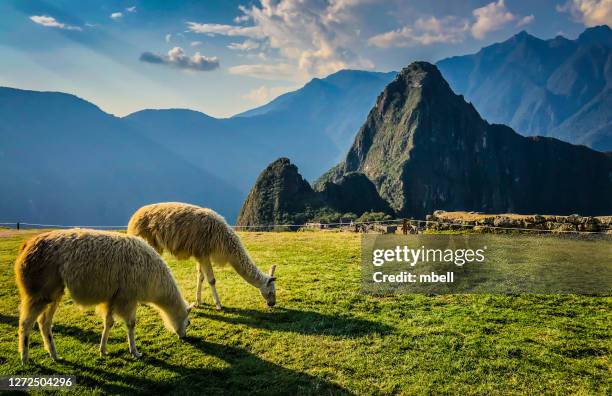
<point>190,231</point>
<point>111,270</point>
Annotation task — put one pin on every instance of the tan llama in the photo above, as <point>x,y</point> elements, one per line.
<point>106,269</point>
<point>190,231</point>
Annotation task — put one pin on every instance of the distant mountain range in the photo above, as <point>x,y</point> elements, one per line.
<point>314,125</point>
<point>559,88</point>
<point>64,160</point>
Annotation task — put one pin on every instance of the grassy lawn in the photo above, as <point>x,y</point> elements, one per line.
<point>324,337</point>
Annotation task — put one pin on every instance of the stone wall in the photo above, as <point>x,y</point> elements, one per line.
<point>442,221</point>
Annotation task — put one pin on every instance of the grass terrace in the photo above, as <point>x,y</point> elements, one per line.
<point>324,336</point>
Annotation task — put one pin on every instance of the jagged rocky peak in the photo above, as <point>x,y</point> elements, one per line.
<point>426,148</point>
<point>280,195</point>
<point>410,84</point>
<point>284,178</point>
<point>417,109</point>
<point>420,71</point>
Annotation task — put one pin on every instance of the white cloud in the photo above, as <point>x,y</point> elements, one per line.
<point>425,31</point>
<point>131,9</point>
<point>450,29</point>
<point>246,45</point>
<point>195,43</point>
<point>168,38</point>
<point>224,30</point>
<point>525,20</point>
<point>491,17</point>
<point>176,57</point>
<point>318,37</point>
<point>589,12</point>
<point>241,18</point>
<point>263,94</point>
<point>116,16</point>
<point>49,21</point>
<point>277,71</point>
<point>314,37</point>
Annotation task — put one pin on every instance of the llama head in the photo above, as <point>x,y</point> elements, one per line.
<point>181,321</point>
<point>268,290</point>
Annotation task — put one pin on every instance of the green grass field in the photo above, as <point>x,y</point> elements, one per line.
<point>324,337</point>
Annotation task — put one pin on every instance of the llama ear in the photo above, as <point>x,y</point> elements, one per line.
<point>272,269</point>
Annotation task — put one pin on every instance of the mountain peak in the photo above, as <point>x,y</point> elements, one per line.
<point>409,86</point>
<point>417,107</point>
<point>521,37</point>
<point>602,29</point>
<point>601,34</point>
<point>418,75</point>
<point>170,112</point>
<point>280,163</point>
<point>53,100</point>
<point>425,148</point>
<point>280,196</point>
<point>522,34</point>
<point>417,69</point>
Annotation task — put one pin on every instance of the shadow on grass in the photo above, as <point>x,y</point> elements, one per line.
<point>246,374</point>
<point>9,320</point>
<point>297,321</point>
<point>83,335</point>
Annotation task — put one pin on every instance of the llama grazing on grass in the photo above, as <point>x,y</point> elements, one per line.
<point>110,270</point>
<point>190,231</point>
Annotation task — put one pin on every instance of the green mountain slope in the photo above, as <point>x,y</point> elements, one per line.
<point>425,148</point>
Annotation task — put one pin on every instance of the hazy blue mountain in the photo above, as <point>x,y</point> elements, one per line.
<point>236,149</point>
<point>314,126</point>
<point>559,88</point>
<point>63,160</point>
<point>351,92</point>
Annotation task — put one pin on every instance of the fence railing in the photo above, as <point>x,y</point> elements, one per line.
<point>405,225</point>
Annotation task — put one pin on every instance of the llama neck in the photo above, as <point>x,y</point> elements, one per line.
<point>171,303</point>
<point>168,297</point>
<point>244,266</point>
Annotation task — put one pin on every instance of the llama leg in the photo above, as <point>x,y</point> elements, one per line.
<point>45,323</point>
<point>108,325</point>
<point>199,281</point>
<point>132,340</point>
<point>210,277</point>
<point>29,312</point>
<point>128,314</point>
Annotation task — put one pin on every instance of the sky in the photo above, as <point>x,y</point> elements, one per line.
<point>224,57</point>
